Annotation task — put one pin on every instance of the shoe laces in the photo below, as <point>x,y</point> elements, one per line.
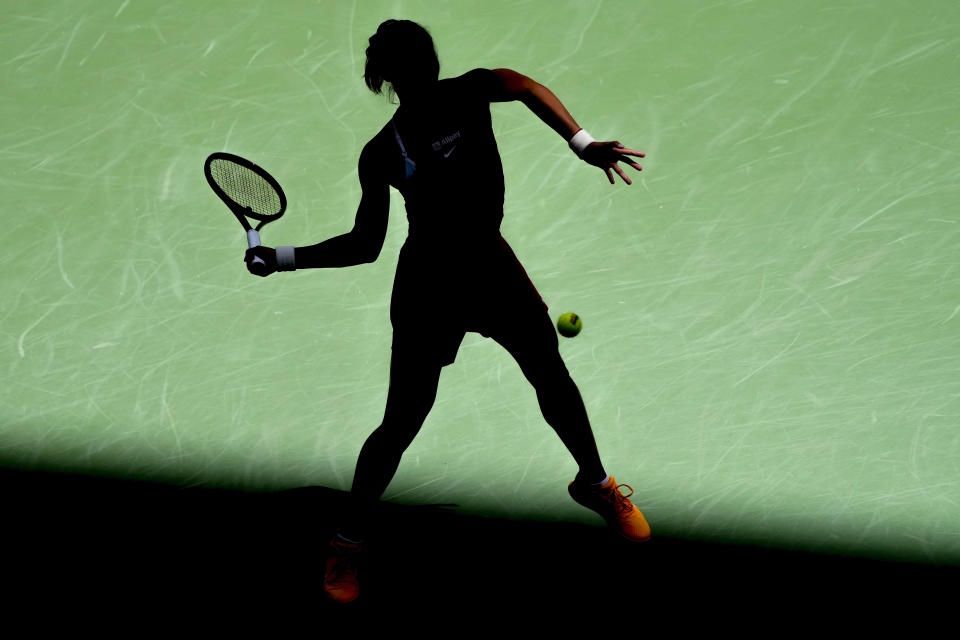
<point>622,503</point>
<point>345,563</point>
<point>339,571</point>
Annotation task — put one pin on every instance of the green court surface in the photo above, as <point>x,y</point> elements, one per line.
<point>771,340</point>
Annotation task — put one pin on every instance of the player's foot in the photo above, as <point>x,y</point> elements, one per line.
<point>614,507</point>
<point>340,579</point>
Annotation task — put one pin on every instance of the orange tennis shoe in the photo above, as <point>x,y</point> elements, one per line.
<point>340,580</point>
<point>614,507</point>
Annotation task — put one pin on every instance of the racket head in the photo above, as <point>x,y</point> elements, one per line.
<point>245,187</point>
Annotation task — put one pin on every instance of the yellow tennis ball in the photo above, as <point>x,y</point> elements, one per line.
<point>569,325</point>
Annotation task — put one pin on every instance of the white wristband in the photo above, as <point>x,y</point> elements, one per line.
<point>580,141</point>
<point>285,259</point>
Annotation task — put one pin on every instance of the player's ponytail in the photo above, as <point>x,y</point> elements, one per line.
<point>400,51</point>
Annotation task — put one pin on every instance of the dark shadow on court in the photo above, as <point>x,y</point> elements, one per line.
<point>78,537</point>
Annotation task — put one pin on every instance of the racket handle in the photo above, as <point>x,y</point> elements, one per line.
<point>253,239</point>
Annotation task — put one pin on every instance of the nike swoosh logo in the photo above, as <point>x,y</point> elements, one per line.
<point>447,154</point>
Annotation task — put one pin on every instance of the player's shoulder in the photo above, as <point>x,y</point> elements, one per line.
<point>495,85</point>
<point>480,80</point>
<point>480,74</point>
<point>368,165</point>
<point>379,143</point>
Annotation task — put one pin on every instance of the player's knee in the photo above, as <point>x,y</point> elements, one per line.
<point>403,420</point>
<point>551,374</point>
<point>393,435</point>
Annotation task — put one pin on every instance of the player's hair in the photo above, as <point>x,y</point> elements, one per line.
<point>400,51</point>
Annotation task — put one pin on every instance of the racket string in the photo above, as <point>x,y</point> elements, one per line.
<point>245,187</point>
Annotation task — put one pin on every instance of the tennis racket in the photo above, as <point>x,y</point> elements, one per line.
<point>249,192</point>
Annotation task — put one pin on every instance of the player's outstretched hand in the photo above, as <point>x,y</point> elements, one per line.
<point>606,155</point>
<point>269,257</point>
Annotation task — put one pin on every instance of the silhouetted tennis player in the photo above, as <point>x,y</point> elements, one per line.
<point>456,273</point>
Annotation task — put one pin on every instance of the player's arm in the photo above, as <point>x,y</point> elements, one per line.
<point>364,242</point>
<point>509,85</point>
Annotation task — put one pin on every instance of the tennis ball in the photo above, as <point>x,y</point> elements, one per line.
<point>569,325</point>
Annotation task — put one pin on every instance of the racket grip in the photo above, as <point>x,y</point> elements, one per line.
<point>253,239</point>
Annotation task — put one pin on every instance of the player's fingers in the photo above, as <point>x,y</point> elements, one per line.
<point>610,177</point>
<point>622,174</point>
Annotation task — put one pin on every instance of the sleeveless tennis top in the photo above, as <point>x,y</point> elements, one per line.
<point>441,155</point>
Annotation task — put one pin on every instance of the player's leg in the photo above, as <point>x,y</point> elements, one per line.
<point>530,337</point>
<point>413,389</point>
<point>532,340</point>
<point>536,349</point>
<point>414,377</point>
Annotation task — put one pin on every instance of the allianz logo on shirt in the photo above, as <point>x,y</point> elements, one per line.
<point>447,140</point>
